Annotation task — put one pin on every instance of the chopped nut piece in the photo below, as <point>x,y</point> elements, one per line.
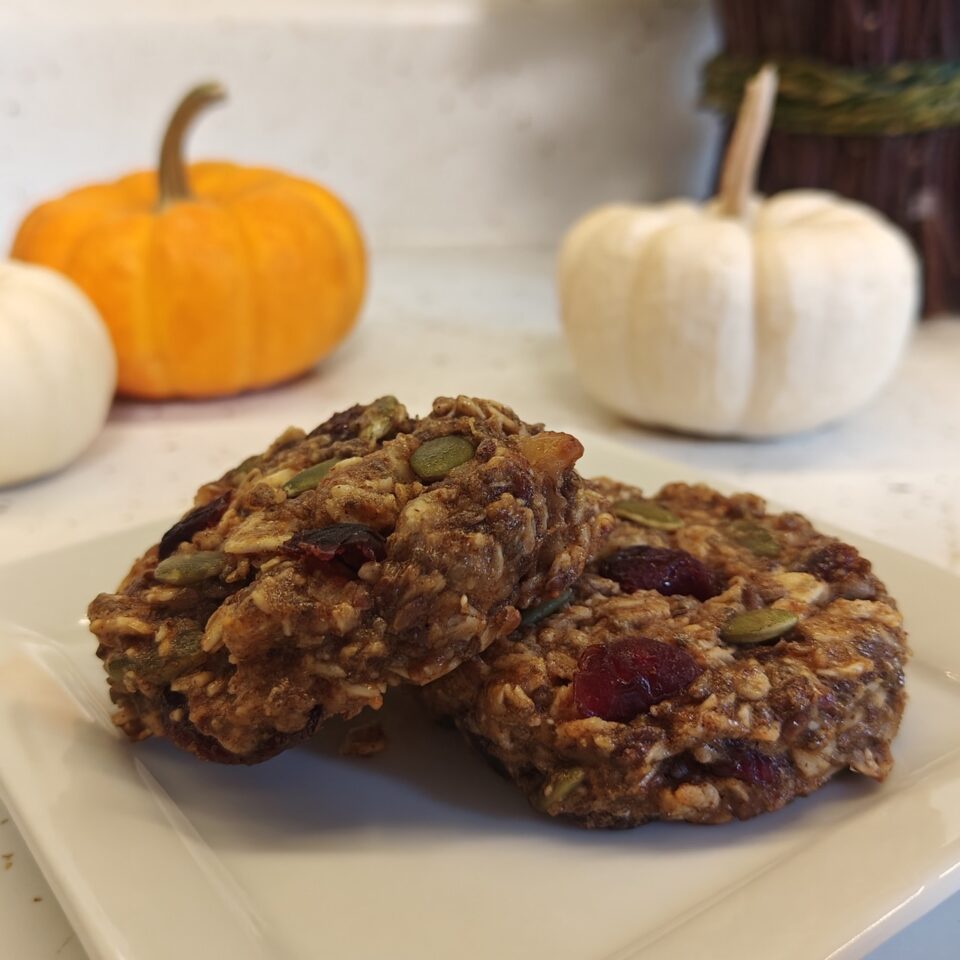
<point>551,452</point>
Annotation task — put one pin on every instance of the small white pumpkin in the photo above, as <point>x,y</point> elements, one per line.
<point>744,317</point>
<point>58,371</point>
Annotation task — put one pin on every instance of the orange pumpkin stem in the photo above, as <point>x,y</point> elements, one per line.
<point>172,182</point>
<point>739,177</point>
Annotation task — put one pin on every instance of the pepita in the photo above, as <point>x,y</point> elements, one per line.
<point>755,537</point>
<point>434,459</point>
<point>758,626</point>
<point>380,418</point>
<point>545,609</point>
<point>560,786</point>
<point>308,479</point>
<point>647,514</point>
<point>186,568</point>
<point>185,654</point>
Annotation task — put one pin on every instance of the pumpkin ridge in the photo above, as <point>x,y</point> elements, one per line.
<point>152,322</point>
<point>198,250</point>
<point>86,264</point>
<point>207,177</point>
<point>95,247</point>
<point>244,330</point>
<point>71,255</point>
<point>343,318</point>
<point>350,239</point>
<point>137,191</point>
<point>263,371</point>
<point>752,364</point>
<point>317,336</point>
<point>31,242</point>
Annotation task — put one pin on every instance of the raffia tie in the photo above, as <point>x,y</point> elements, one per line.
<point>817,97</point>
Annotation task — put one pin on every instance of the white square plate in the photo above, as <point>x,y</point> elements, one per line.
<point>422,851</point>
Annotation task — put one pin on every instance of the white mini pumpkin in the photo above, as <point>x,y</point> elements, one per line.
<point>58,371</point>
<point>745,316</point>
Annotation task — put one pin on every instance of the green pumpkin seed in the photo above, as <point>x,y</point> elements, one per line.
<point>758,626</point>
<point>545,609</point>
<point>434,459</point>
<point>183,569</point>
<point>560,786</point>
<point>118,666</point>
<point>147,666</point>
<point>647,514</point>
<point>186,643</point>
<point>755,537</point>
<point>185,655</point>
<point>380,418</point>
<point>308,479</point>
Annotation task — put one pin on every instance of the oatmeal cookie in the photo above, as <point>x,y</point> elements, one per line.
<point>375,550</point>
<point>714,662</point>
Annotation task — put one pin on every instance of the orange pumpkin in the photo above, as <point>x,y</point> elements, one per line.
<point>212,279</point>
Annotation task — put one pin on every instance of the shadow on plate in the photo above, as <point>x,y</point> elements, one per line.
<point>426,787</point>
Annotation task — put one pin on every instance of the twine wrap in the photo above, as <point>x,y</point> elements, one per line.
<point>819,98</point>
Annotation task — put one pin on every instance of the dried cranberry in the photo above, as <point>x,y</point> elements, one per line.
<point>662,569</point>
<point>747,764</point>
<point>835,561</point>
<point>197,519</point>
<point>617,681</point>
<point>351,543</point>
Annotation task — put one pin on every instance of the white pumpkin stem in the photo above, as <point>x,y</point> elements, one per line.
<point>739,177</point>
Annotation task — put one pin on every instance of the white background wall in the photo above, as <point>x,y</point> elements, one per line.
<point>440,121</point>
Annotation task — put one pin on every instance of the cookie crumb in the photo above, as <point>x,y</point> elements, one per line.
<point>37,899</point>
<point>7,860</point>
<point>364,741</point>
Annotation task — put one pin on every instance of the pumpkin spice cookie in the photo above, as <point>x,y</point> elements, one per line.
<point>714,662</point>
<point>375,550</point>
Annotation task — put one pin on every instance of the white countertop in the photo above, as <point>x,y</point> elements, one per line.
<point>484,323</point>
